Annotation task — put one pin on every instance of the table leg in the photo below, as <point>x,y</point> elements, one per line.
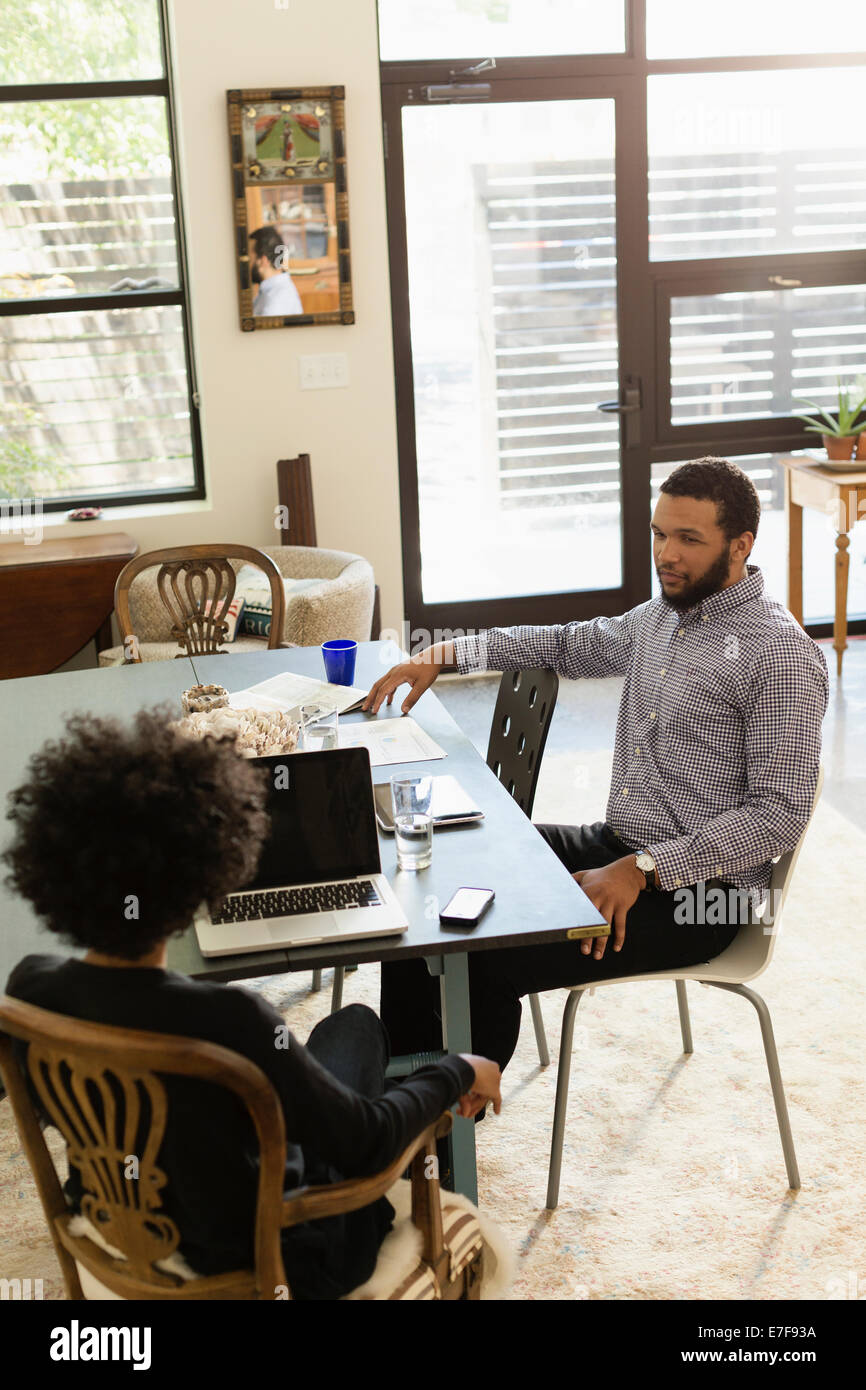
<point>453,971</point>
<point>840,620</point>
<point>794,513</point>
<point>103,637</point>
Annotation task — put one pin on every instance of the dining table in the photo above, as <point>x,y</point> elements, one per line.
<point>536,899</point>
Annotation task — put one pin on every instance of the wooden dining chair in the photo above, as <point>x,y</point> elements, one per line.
<point>102,1087</point>
<point>196,584</point>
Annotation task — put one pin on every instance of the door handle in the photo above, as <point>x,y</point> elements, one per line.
<point>629,406</point>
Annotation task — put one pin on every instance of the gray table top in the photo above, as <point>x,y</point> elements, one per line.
<point>537,900</point>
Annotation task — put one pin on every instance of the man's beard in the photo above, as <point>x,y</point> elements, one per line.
<point>709,584</point>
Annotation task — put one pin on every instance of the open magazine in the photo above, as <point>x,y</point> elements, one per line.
<point>398,739</point>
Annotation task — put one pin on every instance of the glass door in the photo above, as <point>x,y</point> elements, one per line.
<point>512,400</point>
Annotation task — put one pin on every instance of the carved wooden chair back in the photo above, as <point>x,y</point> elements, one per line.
<point>102,1087</point>
<point>196,584</point>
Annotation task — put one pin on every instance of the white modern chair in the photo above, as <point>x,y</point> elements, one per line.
<point>748,956</point>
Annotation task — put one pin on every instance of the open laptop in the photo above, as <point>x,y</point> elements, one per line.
<point>319,877</point>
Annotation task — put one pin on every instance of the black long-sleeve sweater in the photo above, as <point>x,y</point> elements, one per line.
<point>210,1152</point>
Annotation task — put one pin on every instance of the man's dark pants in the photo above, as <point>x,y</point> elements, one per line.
<point>654,940</point>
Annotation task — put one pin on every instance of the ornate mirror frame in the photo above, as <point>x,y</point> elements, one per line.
<point>287,147</point>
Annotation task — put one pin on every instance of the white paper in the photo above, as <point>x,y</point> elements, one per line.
<point>390,740</point>
<point>288,691</point>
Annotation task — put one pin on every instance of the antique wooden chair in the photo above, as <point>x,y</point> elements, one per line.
<point>80,1072</point>
<point>196,584</point>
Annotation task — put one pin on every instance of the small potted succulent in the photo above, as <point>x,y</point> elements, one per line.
<point>844,438</point>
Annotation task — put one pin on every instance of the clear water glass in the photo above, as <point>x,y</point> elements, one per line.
<point>319,728</point>
<point>413,823</point>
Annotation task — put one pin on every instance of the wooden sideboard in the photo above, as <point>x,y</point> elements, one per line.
<point>55,595</point>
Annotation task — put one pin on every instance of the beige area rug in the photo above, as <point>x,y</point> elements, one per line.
<point>673,1181</point>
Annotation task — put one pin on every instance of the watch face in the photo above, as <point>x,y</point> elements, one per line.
<point>646,864</point>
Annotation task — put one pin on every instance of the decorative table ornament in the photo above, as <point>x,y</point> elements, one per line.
<point>257,733</point>
<point>199,699</point>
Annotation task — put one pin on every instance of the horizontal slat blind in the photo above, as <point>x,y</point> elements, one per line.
<point>750,202</point>
<point>552,248</point>
<point>88,234</point>
<point>97,401</point>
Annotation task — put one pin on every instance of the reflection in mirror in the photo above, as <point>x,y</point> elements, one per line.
<point>293,249</point>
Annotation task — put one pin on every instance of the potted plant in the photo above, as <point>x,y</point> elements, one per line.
<point>844,437</point>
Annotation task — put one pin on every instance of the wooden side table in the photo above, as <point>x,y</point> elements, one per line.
<point>842,497</point>
<point>57,595</point>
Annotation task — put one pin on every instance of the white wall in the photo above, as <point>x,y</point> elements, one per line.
<point>253,411</point>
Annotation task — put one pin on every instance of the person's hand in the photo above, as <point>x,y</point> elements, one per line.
<point>419,672</point>
<point>485,1088</point>
<point>613,889</point>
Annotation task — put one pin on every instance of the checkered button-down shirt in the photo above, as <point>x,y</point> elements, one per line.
<point>718,740</point>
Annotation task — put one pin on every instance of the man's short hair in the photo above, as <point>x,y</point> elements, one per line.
<point>269,243</point>
<point>120,832</point>
<point>738,508</point>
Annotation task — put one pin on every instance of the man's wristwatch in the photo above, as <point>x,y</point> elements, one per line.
<point>647,866</point>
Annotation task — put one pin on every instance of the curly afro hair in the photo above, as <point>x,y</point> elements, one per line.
<point>122,832</point>
<point>738,508</point>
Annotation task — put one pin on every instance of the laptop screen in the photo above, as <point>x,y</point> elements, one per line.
<point>323,825</point>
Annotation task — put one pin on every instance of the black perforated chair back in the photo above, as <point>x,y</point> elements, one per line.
<point>518,733</point>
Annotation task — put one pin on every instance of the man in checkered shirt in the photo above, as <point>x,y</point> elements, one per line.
<point>715,766</point>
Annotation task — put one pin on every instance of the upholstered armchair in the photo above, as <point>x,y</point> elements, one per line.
<point>336,601</point>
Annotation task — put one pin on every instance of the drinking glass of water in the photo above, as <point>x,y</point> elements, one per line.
<point>413,824</point>
<point>318,728</point>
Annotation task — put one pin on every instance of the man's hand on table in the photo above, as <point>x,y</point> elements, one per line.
<point>613,889</point>
<point>485,1088</point>
<point>420,671</point>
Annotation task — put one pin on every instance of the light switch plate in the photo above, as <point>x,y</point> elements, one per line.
<point>324,371</point>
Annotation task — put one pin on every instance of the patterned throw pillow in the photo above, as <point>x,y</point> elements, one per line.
<point>253,587</point>
<point>257,620</point>
<point>232,617</point>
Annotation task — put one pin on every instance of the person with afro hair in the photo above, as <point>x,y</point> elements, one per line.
<point>120,832</point>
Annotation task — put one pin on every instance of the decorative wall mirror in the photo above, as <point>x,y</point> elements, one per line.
<point>288,158</point>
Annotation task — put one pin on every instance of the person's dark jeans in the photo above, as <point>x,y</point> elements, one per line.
<point>327,1258</point>
<point>654,940</point>
<point>353,1045</point>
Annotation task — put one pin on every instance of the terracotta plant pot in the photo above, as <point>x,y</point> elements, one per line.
<point>861,446</point>
<point>841,448</point>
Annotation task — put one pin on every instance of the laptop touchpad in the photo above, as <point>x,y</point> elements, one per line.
<point>287,930</point>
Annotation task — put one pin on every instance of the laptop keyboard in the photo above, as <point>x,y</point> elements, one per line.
<point>295,902</point>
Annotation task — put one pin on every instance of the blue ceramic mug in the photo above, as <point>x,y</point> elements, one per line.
<point>339,658</point>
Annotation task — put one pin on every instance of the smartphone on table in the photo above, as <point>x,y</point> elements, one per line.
<point>467,907</point>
